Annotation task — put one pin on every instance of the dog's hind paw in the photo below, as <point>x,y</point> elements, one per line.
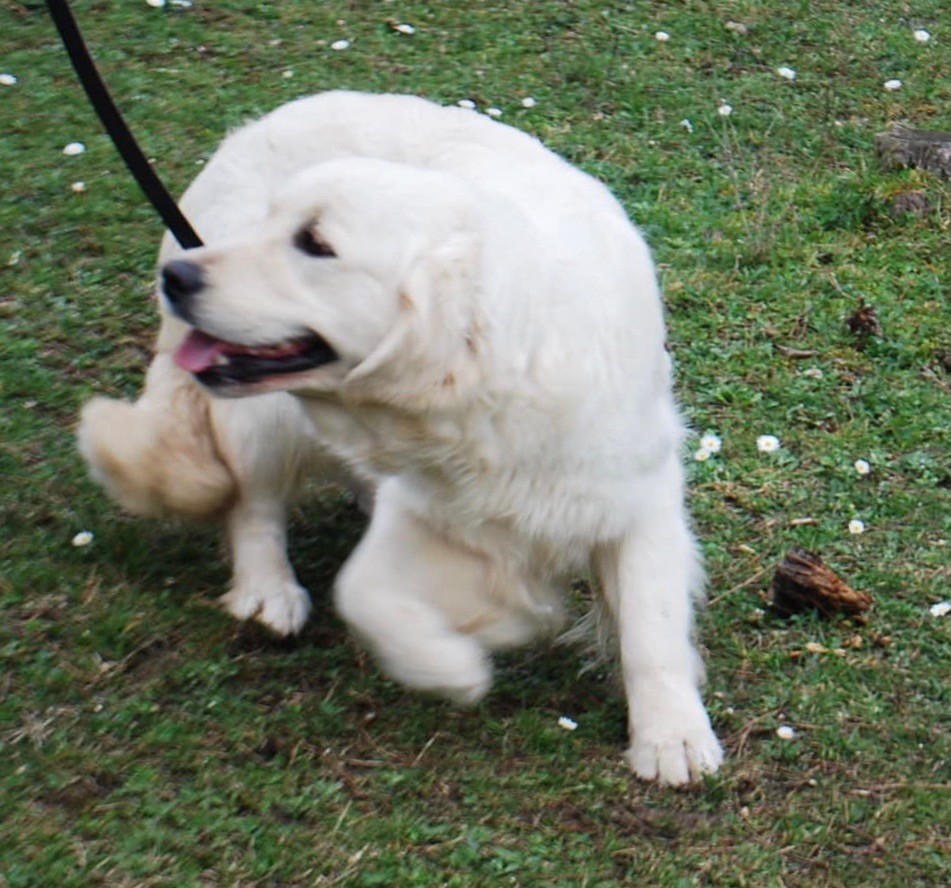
<point>282,606</point>
<point>675,756</point>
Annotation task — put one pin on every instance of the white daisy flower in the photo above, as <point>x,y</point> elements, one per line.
<point>8,80</point>
<point>785,732</point>
<point>494,112</point>
<point>569,724</point>
<point>156,4</point>
<point>711,442</point>
<point>529,102</point>
<point>74,148</point>
<point>922,36</point>
<point>468,104</point>
<point>78,187</point>
<point>404,28</point>
<point>786,73</point>
<point>82,539</point>
<point>687,125</point>
<point>288,74</point>
<point>892,85</point>
<point>339,45</point>
<point>702,455</point>
<point>856,527</point>
<point>725,109</point>
<point>862,466</point>
<point>662,36</point>
<point>767,443</point>
<point>941,609</point>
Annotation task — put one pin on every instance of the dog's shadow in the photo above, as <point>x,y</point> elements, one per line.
<point>533,684</point>
<point>185,561</point>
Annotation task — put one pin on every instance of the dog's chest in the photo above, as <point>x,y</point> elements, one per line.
<point>473,469</point>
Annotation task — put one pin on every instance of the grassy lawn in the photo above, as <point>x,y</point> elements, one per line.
<point>148,739</point>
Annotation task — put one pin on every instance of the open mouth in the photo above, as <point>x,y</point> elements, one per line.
<point>216,362</point>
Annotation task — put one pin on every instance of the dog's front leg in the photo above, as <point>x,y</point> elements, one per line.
<point>264,586</point>
<point>647,579</point>
<point>405,591</point>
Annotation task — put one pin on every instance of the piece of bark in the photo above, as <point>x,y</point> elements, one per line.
<point>905,146</point>
<point>915,203</point>
<point>804,582</point>
<point>863,323</point>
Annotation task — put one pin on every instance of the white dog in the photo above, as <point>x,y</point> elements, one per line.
<point>469,324</point>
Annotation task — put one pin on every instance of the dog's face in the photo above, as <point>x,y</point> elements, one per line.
<point>361,266</point>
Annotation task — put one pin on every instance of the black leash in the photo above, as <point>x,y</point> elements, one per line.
<point>117,129</point>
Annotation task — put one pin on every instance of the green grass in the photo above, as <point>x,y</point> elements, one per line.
<point>146,739</point>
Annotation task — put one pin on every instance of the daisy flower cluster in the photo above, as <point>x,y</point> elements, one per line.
<point>786,72</point>
<point>710,444</point>
<point>494,111</point>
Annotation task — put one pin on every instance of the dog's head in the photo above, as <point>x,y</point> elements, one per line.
<point>363,278</point>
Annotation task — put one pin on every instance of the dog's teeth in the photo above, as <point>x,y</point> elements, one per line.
<point>222,361</point>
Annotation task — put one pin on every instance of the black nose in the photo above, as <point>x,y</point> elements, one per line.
<point>180,280</point>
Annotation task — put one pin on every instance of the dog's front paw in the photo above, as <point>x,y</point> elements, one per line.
<point>675,752</point>
<point>282,606</point>
<point>454,667</point>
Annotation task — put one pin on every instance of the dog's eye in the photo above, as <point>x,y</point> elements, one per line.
<point>307,242</point>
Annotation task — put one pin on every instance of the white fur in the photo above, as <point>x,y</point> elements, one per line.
<point>502,373</point>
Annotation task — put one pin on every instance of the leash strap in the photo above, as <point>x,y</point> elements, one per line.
<point>117,129</point>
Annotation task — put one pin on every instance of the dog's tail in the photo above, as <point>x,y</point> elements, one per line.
<point>158,456</point>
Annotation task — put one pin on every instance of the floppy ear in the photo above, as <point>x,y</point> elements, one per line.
<point>430,356</point>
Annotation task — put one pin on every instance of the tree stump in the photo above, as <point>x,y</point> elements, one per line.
<point>905,146</point>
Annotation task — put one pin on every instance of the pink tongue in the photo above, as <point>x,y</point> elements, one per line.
<point>198,352</point>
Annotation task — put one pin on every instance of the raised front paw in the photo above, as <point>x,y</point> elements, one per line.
<point>674,752</point>
<point>282,606</point>
<point>451,666</point>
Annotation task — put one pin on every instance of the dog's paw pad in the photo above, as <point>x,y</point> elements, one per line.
<point>675,757</point>
<point>282,606</point>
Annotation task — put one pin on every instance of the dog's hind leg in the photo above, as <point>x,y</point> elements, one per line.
<point>648,578</point>
<point>395,592</point>
<point>158,456</point>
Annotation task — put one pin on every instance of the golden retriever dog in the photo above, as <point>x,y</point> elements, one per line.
<point>424,302</point>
